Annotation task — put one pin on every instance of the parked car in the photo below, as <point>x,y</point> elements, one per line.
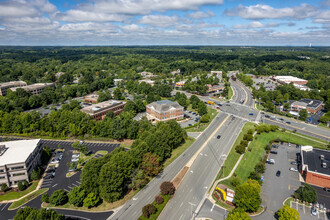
<point>278,173</point>
<point>273,152</point>
<point>250,113</point>
<point>275,146</point>
<point>217,107</point>
<point>189,124</point>
<point>314,211</point>
<point>288,122</point>
<point>270,161</point>
<point>219,136</point>
<point>293,163</point>
<point>326,189</point>
<point>54,161</point>
<point>74,159</point>
<point>75,155</point>
<point>293,169</point>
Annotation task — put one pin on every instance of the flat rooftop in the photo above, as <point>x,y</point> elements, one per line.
<point>313,161</point>
<point>17,151</point>
<point>12,83</point>
<point>99,107</point>
<point>33,86</point>
<point>289,78</point>
<point>311,102</point>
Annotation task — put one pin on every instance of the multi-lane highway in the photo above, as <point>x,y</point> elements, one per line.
<point>133,208</point>
<point>199,178</point>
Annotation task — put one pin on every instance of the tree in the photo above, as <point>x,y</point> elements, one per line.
<point>167,188</point>
<point>287,213</point>
<point>151,164</point>
<point>91,200</point>
<point>20,186</point>
<point>205,118</point>
<point>45,198</point>
<point>35,174</point>
<point>260,167</point>
<point>247,196</point>
<point>130,107</point>
<point>59,197</point>
<point>117,94</point>
<point>28,213</point>
<point>77,196</point>
<point>148,210</point>
<point>306,193</point>
<point>202,108</point>
<point>303,114</point>
<point>4,187</point>
<point>159,199</point>
<point>238,214</point>
<point>240,149</point>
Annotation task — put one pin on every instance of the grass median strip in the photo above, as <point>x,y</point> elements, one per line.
<point>159,207</point>
<point>17,195</point>
<point>26,199</point>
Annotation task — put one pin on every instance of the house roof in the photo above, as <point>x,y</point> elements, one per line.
<point>164,105</point>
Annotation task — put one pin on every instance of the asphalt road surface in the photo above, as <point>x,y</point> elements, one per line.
<point>201,174</point>
<point>133,208</point>
<point>212,211</point>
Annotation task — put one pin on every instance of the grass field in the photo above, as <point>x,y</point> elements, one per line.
<point>233,155</point>
<point>230,93</point>
<point>17,195</point>
<point>257,151</point>
<point>159,209</point>
<point>179,150</point>
<point>212,113</point>
<point>26,199</point>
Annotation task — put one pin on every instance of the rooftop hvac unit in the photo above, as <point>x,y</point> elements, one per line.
<point>322,157</point>
<point>324,165</point>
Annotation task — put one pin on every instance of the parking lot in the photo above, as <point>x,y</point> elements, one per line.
<point>193,119</point>
<point>305,212</point>
<point>60,181</point>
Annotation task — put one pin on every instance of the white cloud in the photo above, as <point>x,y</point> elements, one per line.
<point>159,20</point>
<point>201,14</point>
<point>260,11</point>
<point>132,28</point>
<point>255,24</point>
<point>16,9</point>
<point>83,16</point>
<point>44,5</point>
<point>323,17</point>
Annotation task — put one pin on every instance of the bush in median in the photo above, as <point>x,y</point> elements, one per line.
<point>240,149</point>
<point>159,199</point>
<point>45,198</point>
<point>148,210</point>
<point>59,197</point>
<point>167,188</point>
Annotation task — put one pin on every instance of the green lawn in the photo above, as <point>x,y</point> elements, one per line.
<point>257,150</point>
<point>17,195</point>
<point>323,125</point>
<point>316,139</point>
<point>179,150</point>
<point>233,155</point>
<point>288,201</point>
<point>202,126</point>
<point>159,209</point>
<point>230,93</point>
<point>24,200</point>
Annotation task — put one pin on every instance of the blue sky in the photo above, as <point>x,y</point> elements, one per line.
<point>165,22</point>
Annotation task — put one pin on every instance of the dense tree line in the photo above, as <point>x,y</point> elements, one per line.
<point>111,176</point>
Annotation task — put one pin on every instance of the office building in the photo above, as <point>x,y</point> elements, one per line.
<point>100,110</point>
<point>164,110</point>
<point>91,98</point>
<point>35,89</point>
<point>7,85</point>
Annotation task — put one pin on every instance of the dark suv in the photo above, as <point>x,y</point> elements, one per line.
<point>278,173</point>
<point>219,136</point>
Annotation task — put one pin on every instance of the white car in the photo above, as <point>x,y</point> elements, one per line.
<point>293,169</point>
<point>314,211</point>
<point>75,155</point>
<point>74,159</point>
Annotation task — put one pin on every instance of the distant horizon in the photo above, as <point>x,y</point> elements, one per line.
<point>170,22</point>
<point>164,45</point>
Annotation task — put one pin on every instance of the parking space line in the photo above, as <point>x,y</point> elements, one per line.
<point>74,184</point>
<point>70,187</point>
<point>78,182</point>
<point>54,185</point>
<point>4,206</point>
<point>66,190</point>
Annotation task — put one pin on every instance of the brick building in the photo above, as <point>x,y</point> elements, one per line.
<point>164,110</point>
<point>315,167</point>
<point>100,110</point>
<point>290,79</point>
<point>7,85</point>
<point>18,159</point>
<point>312,106</point>
<point>91,98</point>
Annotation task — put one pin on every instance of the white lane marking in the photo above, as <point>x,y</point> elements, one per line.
<point>55,185</point>
<point>4,206</point>
<point>191,171</point>
<point>201,154</point>
<point>181,204</point>
<point>181,217</point>
<point>212,208</point>
<point>205,187</point>
<point>134,198</point>
<point>205,155</point>
<point>190,190</point>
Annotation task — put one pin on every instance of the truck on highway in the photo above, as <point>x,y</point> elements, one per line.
<point>272,117</point>
<point>233,78</point>
<point>210,102</point>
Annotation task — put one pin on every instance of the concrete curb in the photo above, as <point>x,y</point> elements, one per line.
<point>26,201</point>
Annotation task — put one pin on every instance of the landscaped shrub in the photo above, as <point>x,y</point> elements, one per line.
<point>45,198</point>
<point>250,131</point>
<point>91,200</point>
<point>159,200</point>
<point>59,197</point>
<point>20,186</point>
<point>25,184</point>
<point>306,193</point>
<point>260,167</point>
<point>255,176</point>
<point>240,149</point>
<point>244,143</point>
<point>167,188</point>
<point>4,187</point>
<point>235,181</point>
<point>148,210</point>
<point>248,137</point>
<point>77,196</point>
